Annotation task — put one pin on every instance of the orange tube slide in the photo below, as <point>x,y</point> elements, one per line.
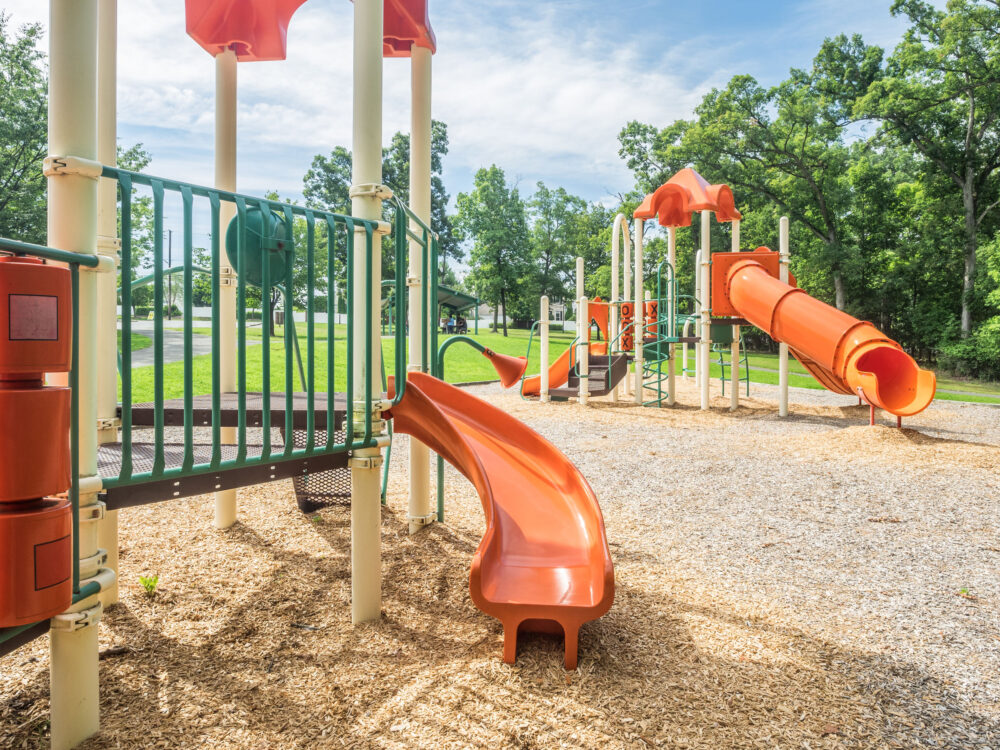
<point>543,563</point>
<point>843,353</point>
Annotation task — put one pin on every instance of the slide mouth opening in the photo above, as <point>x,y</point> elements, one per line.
<point>897,377</point>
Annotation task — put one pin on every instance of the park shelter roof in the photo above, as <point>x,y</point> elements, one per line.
<point>256,29</point>
<point>459,301</point>
<point>405,23</point>
<point>687,191</point>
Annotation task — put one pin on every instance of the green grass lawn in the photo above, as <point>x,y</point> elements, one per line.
<point>465,364</point>
<point>138,341</point>
<point>462,363</point>
<point>971,390</point>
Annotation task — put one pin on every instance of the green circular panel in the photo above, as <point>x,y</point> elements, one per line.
<point>276,243</point>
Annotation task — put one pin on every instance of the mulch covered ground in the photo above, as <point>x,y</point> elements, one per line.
<point>808,582</point>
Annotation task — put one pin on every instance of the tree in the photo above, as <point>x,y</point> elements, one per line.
<point>940,95</point>
<point>493,216</point>
<point>135,159</point>
<point>555,214</point>
<point>23,133</point>
<point>328,184</point>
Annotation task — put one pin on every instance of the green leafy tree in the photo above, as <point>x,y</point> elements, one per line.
<point>493,217</point>
<point>555,214</point>
<point>136,159</point>
<point>23,133</point>
<point>940,95</point>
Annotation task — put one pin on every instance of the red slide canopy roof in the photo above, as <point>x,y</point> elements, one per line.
<point>405,23</point>
<point>256,29</point>
<point>687,191</point>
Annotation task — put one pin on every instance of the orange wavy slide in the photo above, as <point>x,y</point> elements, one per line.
<point>543,562</point>
<point>843,353</point>
<point>559,370</point>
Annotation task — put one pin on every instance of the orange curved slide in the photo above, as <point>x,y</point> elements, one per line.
<point>544,561</point>
<point>843,353</point>
<point>559,370</point>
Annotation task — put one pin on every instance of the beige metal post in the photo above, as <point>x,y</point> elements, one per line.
<point>420,203</point>
<point>108,245</point>
<point>72,225</point>
<point>671,304</point>
<point>225,179</point>
<point>366,203</point>
<point>782,346</point>
<point>639,331</point>
<point>734,362</point>
<point>706,307</point>
<point>543,391</point>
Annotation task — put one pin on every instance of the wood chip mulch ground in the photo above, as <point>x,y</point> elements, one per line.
<point>799,583</point>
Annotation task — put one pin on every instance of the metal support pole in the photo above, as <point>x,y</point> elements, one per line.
<point>366,501</point>
<point>225,179</point>
<point>734,363</point>
<point>583,355</point>
<point>543,393</point>
<point>670,312</point>
<point>108,245</point>
<point>420,203</point>
<point>72,225</point>
<point>782,346</point>
<point>639,327</point>
<point>616,232</point>
<point>706,307</point>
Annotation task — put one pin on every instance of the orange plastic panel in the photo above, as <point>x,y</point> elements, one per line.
<point>256,29</point>
<point>845,354</point>
<point>35,318</point>
<point>722,262</point>
<point>34,442</point>
<point>406,23</point>
<point>684,193</point>
<point>544,560</point>
<point>597,312</point>
<point>36,575</point>
<point>652,310</point>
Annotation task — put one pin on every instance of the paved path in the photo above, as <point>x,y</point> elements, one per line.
<point>173,344</point>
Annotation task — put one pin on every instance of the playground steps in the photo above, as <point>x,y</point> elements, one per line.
<point>602,377</point>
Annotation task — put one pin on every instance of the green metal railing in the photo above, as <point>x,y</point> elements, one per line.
<point>74,261</point>
<point>340,234</point>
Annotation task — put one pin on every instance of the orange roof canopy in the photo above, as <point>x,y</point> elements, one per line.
<point>256,29</point>
<point>687,191</point>
<point>406,23</point>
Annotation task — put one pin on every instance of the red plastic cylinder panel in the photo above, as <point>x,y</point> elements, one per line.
<point>35,318</point>
<point>35,531</point>
<point>36,575</point>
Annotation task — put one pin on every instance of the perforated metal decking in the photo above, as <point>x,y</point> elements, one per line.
<point>318,480</point>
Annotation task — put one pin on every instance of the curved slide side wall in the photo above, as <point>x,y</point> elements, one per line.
<point>559,370</point>
<point>544,561</point>
<point>843,353</point>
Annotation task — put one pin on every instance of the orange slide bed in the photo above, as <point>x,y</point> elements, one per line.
<point>843,353</point>
<point>543,562</point>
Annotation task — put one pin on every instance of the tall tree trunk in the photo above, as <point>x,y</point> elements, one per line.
<point>969,277</point>
<point>503,304</point>
<point>496,307</point>
<point>838,290</point>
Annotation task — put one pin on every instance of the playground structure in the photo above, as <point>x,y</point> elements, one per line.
<point>732,290</point>
<point>222,440</point>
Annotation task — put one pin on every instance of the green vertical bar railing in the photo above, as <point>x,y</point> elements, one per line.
<point>241,330</point>
<point>331,249</point>
<point>311,331</point>
<point>125,193</point>
<point>369,309</point>
<point>351,302</point>
<point>215,208</point>
<point>158,458</point>
<point>290,334</point>
<point>187,200</point>
<point>265,330</point>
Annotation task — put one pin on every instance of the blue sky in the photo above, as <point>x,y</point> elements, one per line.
<point>541,89</point>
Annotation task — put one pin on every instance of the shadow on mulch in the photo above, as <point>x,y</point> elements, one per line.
<point>287,669</point>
